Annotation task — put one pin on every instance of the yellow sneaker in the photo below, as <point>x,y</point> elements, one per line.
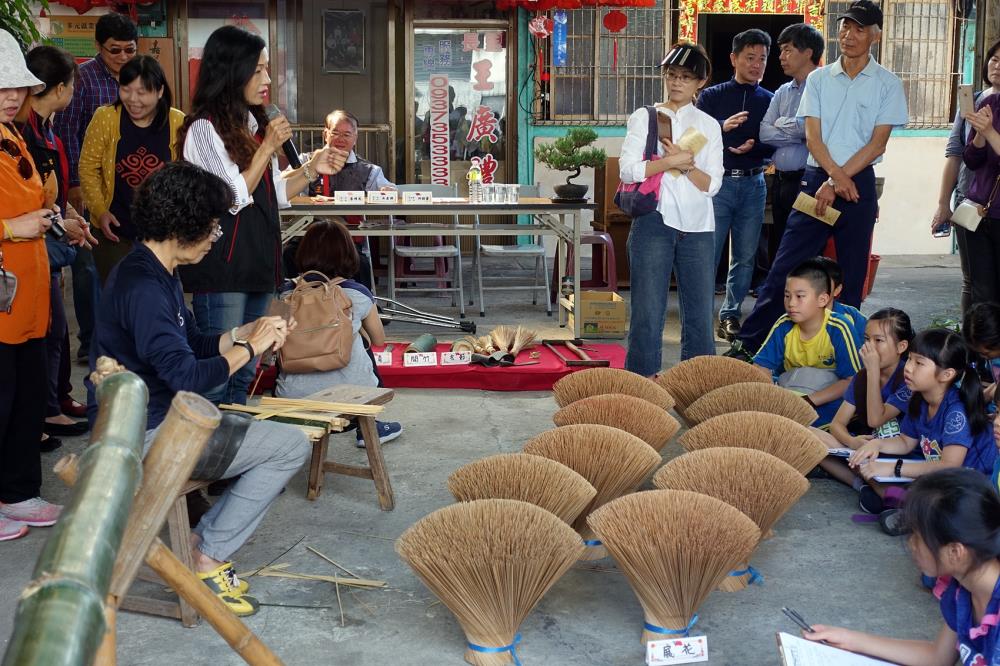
<point>237,583</point>
<point>219,581</point>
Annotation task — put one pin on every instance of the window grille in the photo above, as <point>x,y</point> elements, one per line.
<point>920,45</point>
<point>590,89</point>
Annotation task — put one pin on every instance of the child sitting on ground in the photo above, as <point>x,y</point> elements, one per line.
<point>810,349</point>
<point>981,330</point>
<point>954,516</point>
<point>945,418</point>
<point>328,249</point>
<point>837,285</point>
<point>876,395</point>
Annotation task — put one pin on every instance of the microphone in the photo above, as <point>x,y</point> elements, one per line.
<point>272,112</point>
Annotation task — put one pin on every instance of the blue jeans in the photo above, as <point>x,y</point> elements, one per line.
<point>217,313</point>
<point>654,251</point>
<point>739,208</point>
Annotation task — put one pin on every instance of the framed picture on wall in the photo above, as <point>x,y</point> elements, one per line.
<point>343,41</point>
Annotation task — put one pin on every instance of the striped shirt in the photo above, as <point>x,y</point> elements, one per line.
<point>95,87</point>
<point>204,147</point>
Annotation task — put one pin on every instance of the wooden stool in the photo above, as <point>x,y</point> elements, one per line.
<point>319,466</point>
<point>179,529</point>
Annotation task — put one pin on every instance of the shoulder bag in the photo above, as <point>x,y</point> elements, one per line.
<point>632,202</point>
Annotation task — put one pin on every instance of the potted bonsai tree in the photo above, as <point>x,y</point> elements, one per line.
<point>568,153</point>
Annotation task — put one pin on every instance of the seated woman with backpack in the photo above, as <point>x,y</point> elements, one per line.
<point>326,260</point>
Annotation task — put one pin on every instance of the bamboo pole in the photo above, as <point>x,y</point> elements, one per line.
<point>60,616</point>
<point>243,641</point>
<point>179,443</point>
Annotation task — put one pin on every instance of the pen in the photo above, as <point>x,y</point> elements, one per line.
<point>799,620</point>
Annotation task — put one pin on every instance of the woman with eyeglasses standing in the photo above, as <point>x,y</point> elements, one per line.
<point>24,309</point>
<point>679,235</point>
<point>125,143</point>
<point>229,135</point>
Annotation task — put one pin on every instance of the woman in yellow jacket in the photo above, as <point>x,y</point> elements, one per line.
<point>125,142</point>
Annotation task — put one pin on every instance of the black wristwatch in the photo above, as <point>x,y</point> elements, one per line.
<point>898,470</point>
<point>246,345</point>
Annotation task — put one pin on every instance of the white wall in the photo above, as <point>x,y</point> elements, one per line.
<point>912,171</point>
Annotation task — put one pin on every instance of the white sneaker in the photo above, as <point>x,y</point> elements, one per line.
<point>11,529</point>
<point>34,512</point>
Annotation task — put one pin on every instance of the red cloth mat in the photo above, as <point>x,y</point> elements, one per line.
<point>538,377</point>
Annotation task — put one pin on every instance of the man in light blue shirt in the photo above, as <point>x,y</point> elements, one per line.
<point>800,50</point>
<point>850,108</point>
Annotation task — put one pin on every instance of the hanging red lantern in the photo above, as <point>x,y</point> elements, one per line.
<point>615,21</point>
<point>540,28</point>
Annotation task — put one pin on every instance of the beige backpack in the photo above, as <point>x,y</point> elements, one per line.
<point>323,335</point>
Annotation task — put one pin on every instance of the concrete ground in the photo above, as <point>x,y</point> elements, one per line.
<point>819,562</point>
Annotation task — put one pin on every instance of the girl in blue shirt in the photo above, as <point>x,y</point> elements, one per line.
<point>954,516</point>
<point>875,397</point>
<point>981,328</point>
<point>945,417</point>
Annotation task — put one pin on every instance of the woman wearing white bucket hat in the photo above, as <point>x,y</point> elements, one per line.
<point>24,309</point>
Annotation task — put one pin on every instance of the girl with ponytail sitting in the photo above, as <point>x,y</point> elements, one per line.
<point>945,419</point>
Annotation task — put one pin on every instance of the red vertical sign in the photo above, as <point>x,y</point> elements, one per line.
<point>439,135</point>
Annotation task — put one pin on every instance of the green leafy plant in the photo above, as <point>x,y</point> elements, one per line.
<point>567,153</point>
<point>16,18</point>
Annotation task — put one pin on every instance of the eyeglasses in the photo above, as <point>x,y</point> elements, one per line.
<point>683,78</point>
<point>23,165</point>
<point>216,233</point>
<point>341,135</point>
<point>117,50</point>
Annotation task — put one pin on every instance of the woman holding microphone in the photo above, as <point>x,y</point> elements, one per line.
<point>228,134</point>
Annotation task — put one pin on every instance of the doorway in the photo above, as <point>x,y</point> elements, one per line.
<point>716,32</point>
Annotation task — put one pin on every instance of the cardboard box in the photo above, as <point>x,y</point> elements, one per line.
<point>602,314</point>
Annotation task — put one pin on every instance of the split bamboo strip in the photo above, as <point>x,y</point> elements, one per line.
<point>339,566</point>
<point>60,615</point>
<point>308,418</point>
<point>271,572</point>
<point>320,406</point>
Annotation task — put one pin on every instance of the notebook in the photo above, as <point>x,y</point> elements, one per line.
<point>797,651</point>
<point>844,452</point>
